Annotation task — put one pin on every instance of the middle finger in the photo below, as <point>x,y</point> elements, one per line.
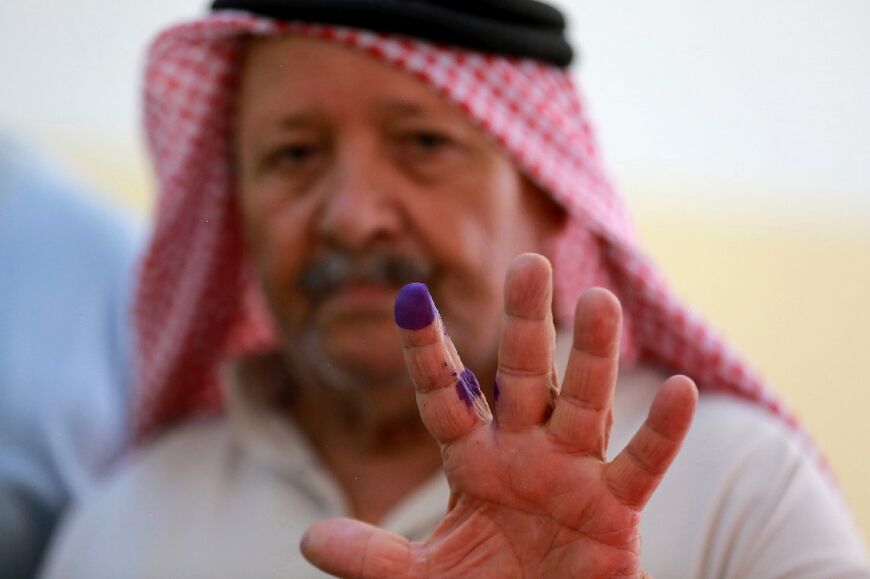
<point>526,378</point>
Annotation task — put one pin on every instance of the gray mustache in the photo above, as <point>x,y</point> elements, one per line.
<point>326,274</point>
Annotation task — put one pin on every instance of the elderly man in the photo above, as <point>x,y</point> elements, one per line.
<point>316,157</point>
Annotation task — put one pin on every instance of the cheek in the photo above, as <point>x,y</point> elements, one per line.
<point>471,234</point>
<point>459,239</point>
<point>492,230</point>
<point>471,221</point>
<point>277,238</point>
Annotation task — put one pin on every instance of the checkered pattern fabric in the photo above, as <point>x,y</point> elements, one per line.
<point>197,301</point>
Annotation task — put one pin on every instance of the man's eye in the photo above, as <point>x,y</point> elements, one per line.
<point>432,151</point>
<point>295,153</point>
<point>292,155</point>
<point>428,140</point>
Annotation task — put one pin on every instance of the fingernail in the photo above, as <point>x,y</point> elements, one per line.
<point>414,307</point>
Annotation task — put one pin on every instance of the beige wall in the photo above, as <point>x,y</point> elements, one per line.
<point>794,300</point>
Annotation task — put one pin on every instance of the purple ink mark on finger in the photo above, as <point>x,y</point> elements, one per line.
<point>467,387</point>
<point>495,391</point>
<point>414,308</point>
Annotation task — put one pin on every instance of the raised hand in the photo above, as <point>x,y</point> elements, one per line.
<point>532,494</point>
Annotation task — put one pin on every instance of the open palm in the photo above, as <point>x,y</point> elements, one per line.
<point>532,492</point>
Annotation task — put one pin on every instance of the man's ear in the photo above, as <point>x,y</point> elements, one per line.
<point>549,218</point>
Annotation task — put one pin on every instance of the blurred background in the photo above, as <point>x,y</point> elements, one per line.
<point>739,132</point>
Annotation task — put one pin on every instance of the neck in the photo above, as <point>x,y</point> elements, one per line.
<point>372,441</point>
<point>370,437</point>
<point>370,422</point>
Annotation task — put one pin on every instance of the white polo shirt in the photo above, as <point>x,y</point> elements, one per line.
<point>231,497</point>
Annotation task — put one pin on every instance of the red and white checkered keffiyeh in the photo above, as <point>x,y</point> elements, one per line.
<point>196,302</point>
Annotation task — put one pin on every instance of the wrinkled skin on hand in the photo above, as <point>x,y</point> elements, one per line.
<point>532,492</point>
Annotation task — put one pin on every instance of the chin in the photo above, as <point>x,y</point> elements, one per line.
<point>354,358</point>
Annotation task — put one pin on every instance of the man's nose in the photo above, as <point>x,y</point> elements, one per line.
<point>359,208</point>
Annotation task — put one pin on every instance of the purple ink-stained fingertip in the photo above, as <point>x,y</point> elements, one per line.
<point>414,307</point>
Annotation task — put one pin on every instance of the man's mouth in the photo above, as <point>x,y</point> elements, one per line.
<point>366,281</point>
<point>362,295</point>
<point>356,302</point>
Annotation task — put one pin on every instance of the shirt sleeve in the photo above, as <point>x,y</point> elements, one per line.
<point>749,498</point>
<point>786,518</point>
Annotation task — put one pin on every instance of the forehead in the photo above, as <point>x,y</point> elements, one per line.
<point>287,72</point>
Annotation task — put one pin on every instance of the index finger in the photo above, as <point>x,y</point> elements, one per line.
<point>448,395</point>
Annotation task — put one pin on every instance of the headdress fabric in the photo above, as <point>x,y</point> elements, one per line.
<point>519,28</point>
<point>197,303</point>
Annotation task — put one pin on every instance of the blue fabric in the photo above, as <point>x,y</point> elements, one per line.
<point>65,346</point>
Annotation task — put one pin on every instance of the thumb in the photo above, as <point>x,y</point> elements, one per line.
<point>349,548</point>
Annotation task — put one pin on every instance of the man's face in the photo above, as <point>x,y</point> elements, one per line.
<point>355,178</point>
